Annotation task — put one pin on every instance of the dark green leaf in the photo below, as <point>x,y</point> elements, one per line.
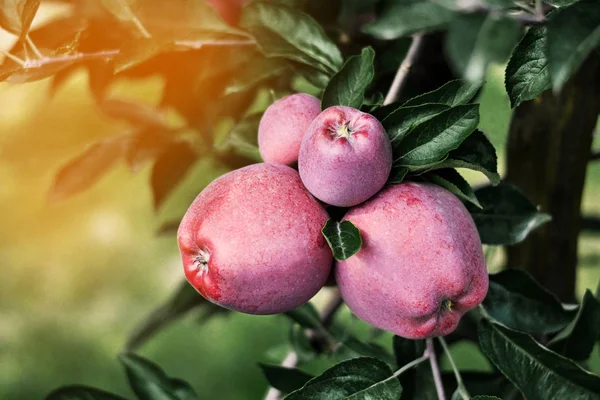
<point>359,378</point>
<point>170,167</point>
<point>476,153</point>
<point>343,239</point>
<point>306,315</point>
<point>255,72</point>
<point>573,32</point>
<point>348,86</point>
<point>560,3</point>
<point>577,340</point>
<point>16,15</point>
<point>539,373</point>
<point>402,120</point>
<point>431,141</point>
<point>314,76</point>
<point>507,216</point>
<point>405,17</point>
<point>284,379</point>
<point>485,398</point>
<point>86,169</point>
<point>452,181</point>
<point>285,32</point>
<point>476,40</point>
<point>183,300</point>
<point>452,94</point>
<point>527,73</point>
<point>150,382</point>
<point>515,299</point>
<point>81,392</point>
<point>397,175</point>
<point>242,139</point>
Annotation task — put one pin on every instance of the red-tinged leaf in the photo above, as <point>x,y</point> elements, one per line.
<point>169,169</point>
<point>146,145</point>
<point>16,15</point>
<point>229,10</point>
<point>136,113</point>
<point>86,169</point>
<point>7,69</point>
<point>137,51</point>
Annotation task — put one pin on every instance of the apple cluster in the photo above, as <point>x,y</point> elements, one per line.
<point>252,240</point>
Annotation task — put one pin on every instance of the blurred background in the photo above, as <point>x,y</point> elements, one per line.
<point>78,274</point>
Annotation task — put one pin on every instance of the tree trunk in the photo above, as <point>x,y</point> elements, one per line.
<point>548,152</point>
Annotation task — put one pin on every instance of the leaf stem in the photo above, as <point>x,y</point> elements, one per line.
<point>461,386</point>
<point>13,57</point>
<point>413,363</point>
<point>35,49</point>
<point>435,369</point>
<point>400,78</point>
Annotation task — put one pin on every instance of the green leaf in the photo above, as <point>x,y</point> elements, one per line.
<point>281,31</point>
<point>573,32</point>
<point>527,74</point>
<point>476,40</point>
<point>431,141</point>
<point>577,340</point>
<point>476,153</point>
<point>348,86</point>
<point>407,350</point>
<point>256,71</point>
<point>405,17</point>
<point>284,379</point>
<point>170,167</point>
<point>242,139</point>
<point>86,169</point>
<point>359,378</point>
<point>560,3</point>
<point>183,300</point>
<point>402,120</point>
<point>539,373</point>
<point>452,181</point>
<point>150,382</point>
<point>397,175</point>
<point>301,344</point>
<point>81,392</point>
<point>306,316</point>
<point>515,299</point>
<point>343,238</point>
<point>507,216</point>
<point>480,397</point>
<point>16,16</point>
<point>452,94</point>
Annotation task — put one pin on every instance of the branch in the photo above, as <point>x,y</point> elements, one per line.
<point>403,70</point>
<point>291,360</point>
<point>435,369</point>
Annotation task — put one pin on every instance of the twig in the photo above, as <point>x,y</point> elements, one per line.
<point>435,369</point>
<point>407,63</point>
<point>461,386</point>
<point>13,57</point>
<point>539,9</point>
<point>197,44</point>
<point>107,54</point>
<point>413,363</point>
<point>36,51</point>
<point>291,360</point>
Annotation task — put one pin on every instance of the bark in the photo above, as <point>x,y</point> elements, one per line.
<point>548,151</point>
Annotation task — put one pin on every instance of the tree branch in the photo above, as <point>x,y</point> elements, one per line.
<point>403,70</point>
<point>435,369</point>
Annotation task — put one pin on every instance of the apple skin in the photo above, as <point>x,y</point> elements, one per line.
<point>251,241</point>
<point>283,125</point>
<point>420,249</point>
<point>345,157</point>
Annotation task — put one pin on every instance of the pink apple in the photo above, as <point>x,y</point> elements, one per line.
<point>345,156</point>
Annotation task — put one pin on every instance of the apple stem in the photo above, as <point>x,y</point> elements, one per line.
<point>435,369</point>
<point>462,390</point>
